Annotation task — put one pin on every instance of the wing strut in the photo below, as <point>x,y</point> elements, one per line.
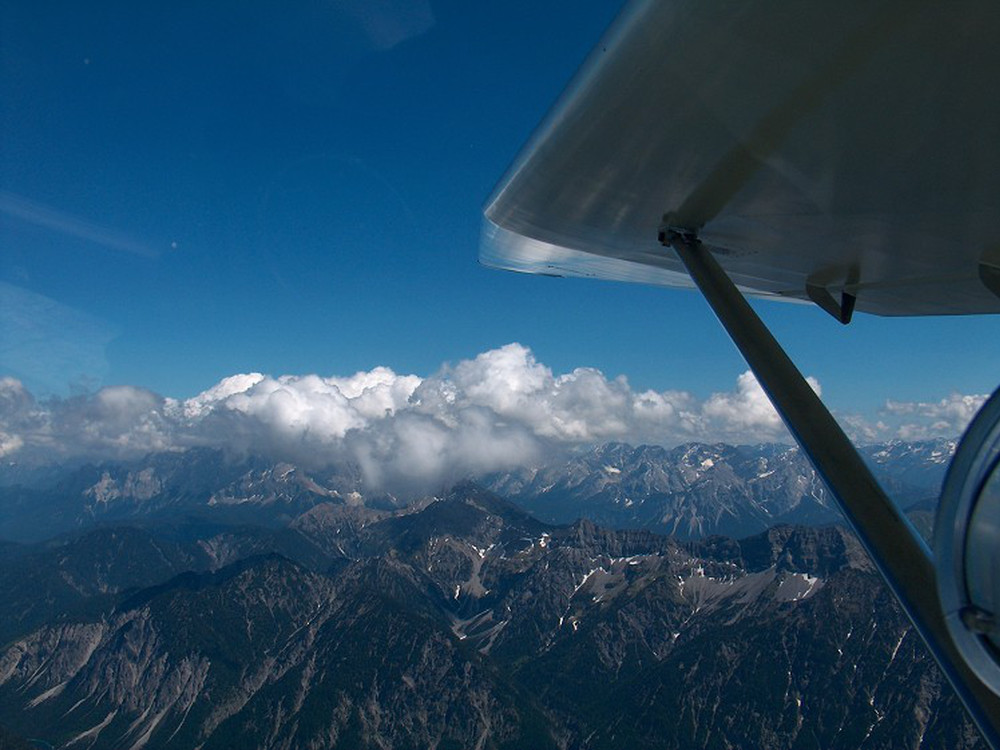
<point>892,543</point>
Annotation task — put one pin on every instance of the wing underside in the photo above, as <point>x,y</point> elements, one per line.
<point>850,148</point>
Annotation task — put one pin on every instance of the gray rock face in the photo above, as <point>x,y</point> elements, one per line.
<point>690,492</point>
<point>464,622</point>
<point>696,490</point>
<point>199,482</point>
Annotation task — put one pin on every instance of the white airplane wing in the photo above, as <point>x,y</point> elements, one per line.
<point>816,148</point>
<point>845,153</point>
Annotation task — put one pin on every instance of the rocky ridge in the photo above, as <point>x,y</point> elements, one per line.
<point>690,491</point>
<point>465,622</point>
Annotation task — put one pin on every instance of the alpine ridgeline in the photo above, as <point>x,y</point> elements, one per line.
<point>458,622</point>
<point>689,492</point>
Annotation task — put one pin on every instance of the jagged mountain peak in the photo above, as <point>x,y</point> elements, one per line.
<point>697,489</point>
<point>690,491</point>
<point>434,637</point>
<point>816,551</point>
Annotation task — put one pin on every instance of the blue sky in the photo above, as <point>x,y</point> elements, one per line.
<point>191,192</point>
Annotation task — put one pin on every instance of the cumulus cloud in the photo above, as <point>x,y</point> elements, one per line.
<point>404,432</point>
<point>747,410</point>
<point>915,420</point>
<point>113,422</point>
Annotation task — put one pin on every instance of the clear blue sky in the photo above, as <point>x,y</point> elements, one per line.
<point>192,190</point>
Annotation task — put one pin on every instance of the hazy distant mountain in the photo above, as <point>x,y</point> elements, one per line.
<point>690,491</point>
<point>200,482</point>
<point>695,490</point>
<point>464,622</point>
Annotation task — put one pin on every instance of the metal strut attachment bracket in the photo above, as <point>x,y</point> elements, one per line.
<point>818,290</point>
<point>842,311</point>
<point>670,232</point>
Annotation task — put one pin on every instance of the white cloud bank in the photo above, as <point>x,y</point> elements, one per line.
<point>919,421</point>
<point>499,410</point>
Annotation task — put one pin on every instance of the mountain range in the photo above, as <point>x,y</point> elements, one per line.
<point>695,490</point>
<point>197,601</point>
<point>690,491</point>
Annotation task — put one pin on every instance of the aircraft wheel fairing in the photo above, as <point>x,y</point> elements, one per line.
<point>967,545</point>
